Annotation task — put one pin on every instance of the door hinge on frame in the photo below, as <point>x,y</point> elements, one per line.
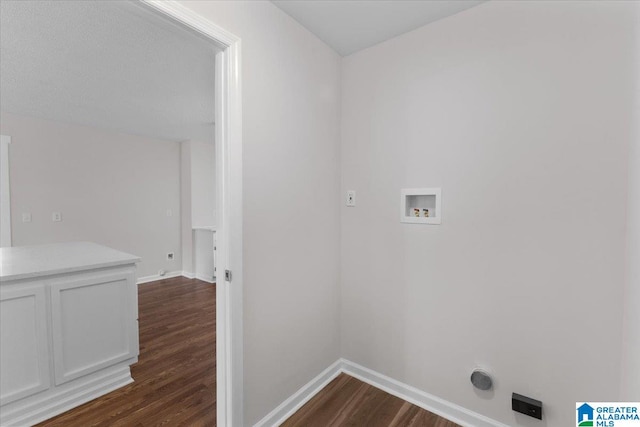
<point>227,275</point>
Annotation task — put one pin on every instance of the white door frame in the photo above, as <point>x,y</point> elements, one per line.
<point>228,131</point>
<point>5,193</point>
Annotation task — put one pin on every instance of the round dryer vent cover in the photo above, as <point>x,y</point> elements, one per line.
<point>481,380</point>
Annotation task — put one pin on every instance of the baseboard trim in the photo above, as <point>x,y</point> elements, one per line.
<point>300,397</point>
<point>169,275</point>
<point>205,278</point>
<point>429,402</point>
<point>41,407</point>
<point>172,274</point>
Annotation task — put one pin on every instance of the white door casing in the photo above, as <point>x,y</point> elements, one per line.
<point>228,134</point>
<point>5,193</point>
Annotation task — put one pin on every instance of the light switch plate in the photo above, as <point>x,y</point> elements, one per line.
<point>26,217</point>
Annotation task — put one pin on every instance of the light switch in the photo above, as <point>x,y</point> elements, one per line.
<point>26,217</point>
<point>169,212</point>
<point>56,217</point>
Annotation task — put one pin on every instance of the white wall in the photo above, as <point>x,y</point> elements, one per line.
<point>186,230</point>
<point>111,188</point>
<point>290,117</point>
<point>197,198</point>
<point>203,184</point>
<point>631,344</point>
<point>520,111</point>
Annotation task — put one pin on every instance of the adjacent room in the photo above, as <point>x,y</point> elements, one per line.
<point>320,213</point>
<point>107,115</point>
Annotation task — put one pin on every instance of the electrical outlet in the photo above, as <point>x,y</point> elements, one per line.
<point>26,217</point>
<point>56,216</point>
<point>351,198</point>
<point>170,256</point>
<point>169,212</point>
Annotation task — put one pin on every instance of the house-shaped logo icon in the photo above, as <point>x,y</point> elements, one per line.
<point>585,415</point>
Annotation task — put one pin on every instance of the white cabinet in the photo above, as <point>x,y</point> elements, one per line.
<point>24,353</point>
<point>68,328</point>
<point>94,323</point>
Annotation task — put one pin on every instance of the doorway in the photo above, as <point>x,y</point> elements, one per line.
<point>228,134</point>
<point>228,198</point>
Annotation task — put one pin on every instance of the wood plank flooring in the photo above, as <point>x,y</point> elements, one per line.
<point>175,377</point>
<point>347,401</point>
<point>175,382</point>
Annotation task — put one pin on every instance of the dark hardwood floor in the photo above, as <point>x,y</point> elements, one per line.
<point>175,377</point>
<point>347,401</point>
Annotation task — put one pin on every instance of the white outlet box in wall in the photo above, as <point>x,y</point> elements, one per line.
<point>351,198</point>
<point>421,205</point>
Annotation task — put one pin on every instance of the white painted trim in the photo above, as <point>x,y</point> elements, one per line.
<point>429,402</point>
<point>5,192</point>
<point>205,279</point>
<point>155,277</point>
<point>289,407</point>
<point>229,374</point>
<point>173,274</point>
<point>45,405</point>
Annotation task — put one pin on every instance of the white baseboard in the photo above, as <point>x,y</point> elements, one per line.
<point>205,278</point>
<point>48,404</point>
<point>155,277</point>
<point>172,274</point>
<point>429,402</point>
<point>300,397</point>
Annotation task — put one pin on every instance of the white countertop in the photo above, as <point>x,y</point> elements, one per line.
<point>25,262</point>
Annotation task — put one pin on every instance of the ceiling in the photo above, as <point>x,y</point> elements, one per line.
<point>352,25</point>
<point>109,64</point>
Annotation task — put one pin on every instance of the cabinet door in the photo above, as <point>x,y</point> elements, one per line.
<point>24,353</point>
<point>93,322</point>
